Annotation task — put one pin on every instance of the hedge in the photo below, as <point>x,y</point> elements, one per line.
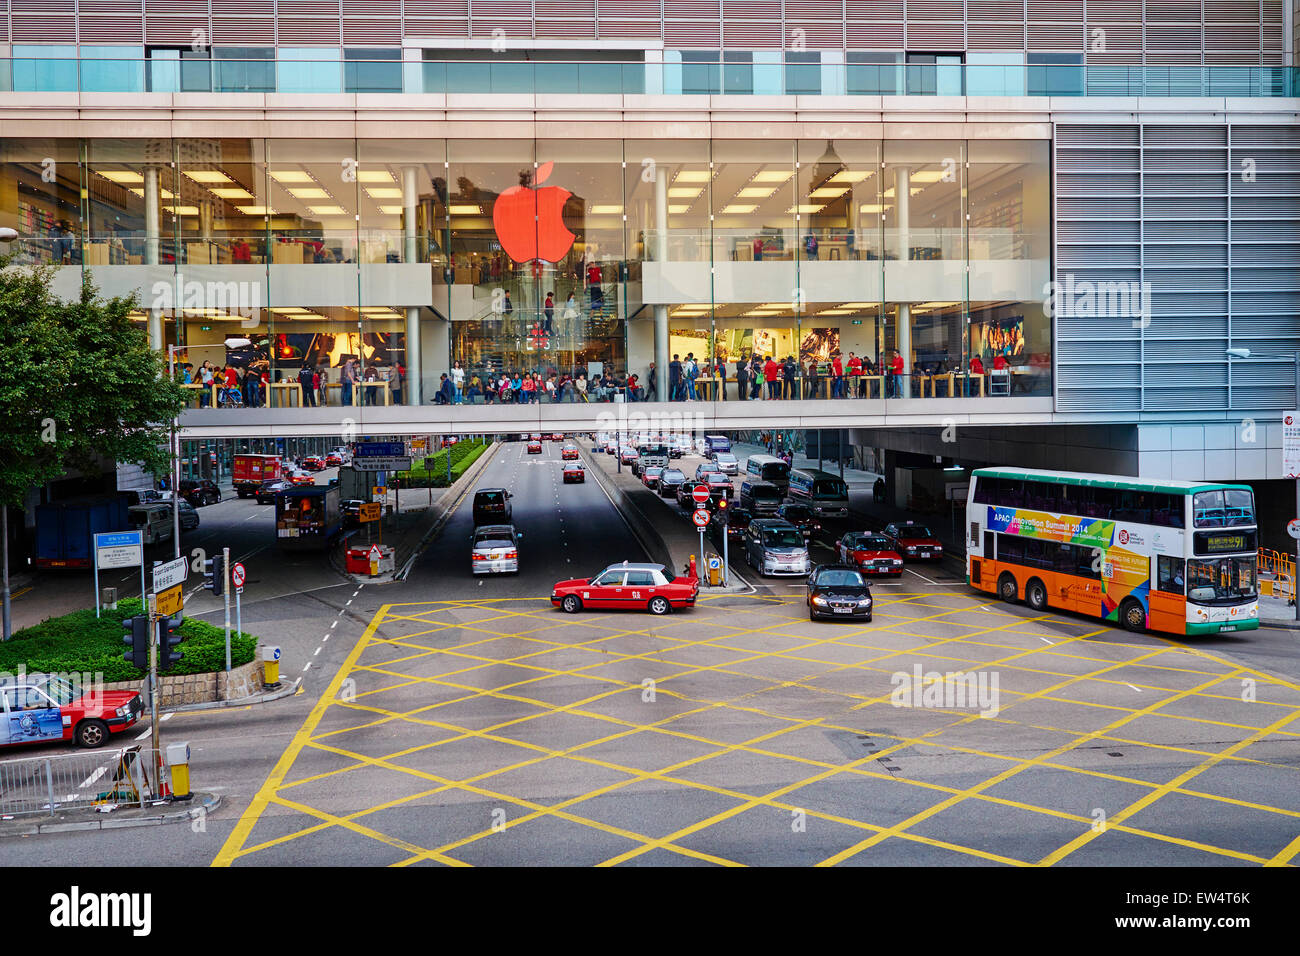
<point>463,454</point>
<point>80,643</point>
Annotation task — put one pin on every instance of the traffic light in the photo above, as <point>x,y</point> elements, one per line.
<point>722,507</point>
<point>214,575</point>
<point>137,638</point>
<point>169,635</point>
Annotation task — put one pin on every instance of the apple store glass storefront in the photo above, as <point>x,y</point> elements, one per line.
<point>560,256</point>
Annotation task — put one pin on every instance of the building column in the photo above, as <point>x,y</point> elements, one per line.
<point>903,338</point>
<point>152,222</point>
<point>661,257</point>
<point>411,392</point>
<point>410,199</point>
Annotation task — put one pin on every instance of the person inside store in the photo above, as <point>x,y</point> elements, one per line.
<point>445,392</point>
<point>240,251</point>
<point>896,370</point>
<point>755,377</point>
<point>307,381</point>
<point>790,371</point>
<point>742,377</point>
<point>371,375</point>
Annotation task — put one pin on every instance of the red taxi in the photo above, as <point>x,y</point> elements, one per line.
<point>914,541</point>
<point>534,447</point>
<point>625,586</point>
<point>302,478</point>
<point>869,553</point>
<point>575,472</point>
<point>46,707</point>
<point>313,463</point>
<point>333,460</point>
<point>569,453</point>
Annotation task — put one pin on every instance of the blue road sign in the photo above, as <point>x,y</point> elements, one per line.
<point>381,449</point>
<point>119,539</point>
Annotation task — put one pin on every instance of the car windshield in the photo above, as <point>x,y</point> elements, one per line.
<point>783,538</point>
<point>490,497</point>
<point>829,489</point>
<point>495,539</point>
<point>1220,579</point>
<point>707,467</point>
<point>764,491</point>
<point>739,516</point>
<point>61,691</point>
<point>797,513</point>
<point>839,579</point>
<point>869,542</point>
<point>654,471</point>
<point>672,475</point>
<point>914,531</point>
<point>726,458</point>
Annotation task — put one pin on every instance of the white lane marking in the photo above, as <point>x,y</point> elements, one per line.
<point>349,602</point>
<point>921,576</point>
<point>334,624</point>
<point>1138,689</point>
<point>252,516</point>
<point>308,664</point>
<point>325,638</point>
<point>92,778</point>
<point>164,718</point>
<point>1046,641</point>
<point>145,734</point>
<point>317,651</point>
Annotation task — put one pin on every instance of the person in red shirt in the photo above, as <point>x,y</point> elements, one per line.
<point>232,377</point>
<point>999,362</point>
<point>772,373</point>
<point>837,370</point>
<point>896,373</point>
<point>976,366</point>
<point>594,279</point>
<point>855,371</point>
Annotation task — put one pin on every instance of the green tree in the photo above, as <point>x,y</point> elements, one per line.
<point>79,385</point>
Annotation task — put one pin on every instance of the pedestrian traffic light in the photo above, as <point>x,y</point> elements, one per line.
<point>137,638</point>
<point>214,575</point>
<point>169,635</point>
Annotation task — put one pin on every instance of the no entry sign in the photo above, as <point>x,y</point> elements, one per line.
<point>700,494</point>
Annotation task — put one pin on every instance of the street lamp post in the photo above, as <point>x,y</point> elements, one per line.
<point>7,235</point>
<point>174,480</point>
<point>1295,357</point>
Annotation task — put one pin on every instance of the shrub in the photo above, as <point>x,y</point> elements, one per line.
<point>462,454</point>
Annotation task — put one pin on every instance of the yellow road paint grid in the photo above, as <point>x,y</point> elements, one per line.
<point>460,732</point>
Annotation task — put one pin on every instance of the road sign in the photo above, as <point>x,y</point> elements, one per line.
<point>1291,444</point>
<point>1293,528</point>
<point>120,549</point>
<point>700,494</point>
<point>370,511</point>
<point>169,601</point>
<point>701,518</point>
<point>170,574</point>
<point>237,575</point>
<point>380,449</point>
<point>392,463</point>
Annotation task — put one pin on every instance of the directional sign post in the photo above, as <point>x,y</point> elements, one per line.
<point>237,577</point>
<point>122,549</point>
<point>169,574</point>
<point>170,601</point>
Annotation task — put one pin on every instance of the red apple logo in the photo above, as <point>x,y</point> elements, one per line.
<point>528,220</point>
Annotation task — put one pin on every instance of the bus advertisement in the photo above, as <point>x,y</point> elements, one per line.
<point>1116,548</point>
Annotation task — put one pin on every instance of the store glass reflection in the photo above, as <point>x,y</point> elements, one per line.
<point>813,269</point>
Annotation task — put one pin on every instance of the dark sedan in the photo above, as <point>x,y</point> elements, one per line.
<point>267,490</point>
<point>802,517</point>
<point>670,479</point>
<point>839,591</point>
<point>736,520</point>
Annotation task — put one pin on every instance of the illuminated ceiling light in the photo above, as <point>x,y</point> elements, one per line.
<point>678,210</point>
<point>875,207</point>
<point>835,312</point>
<point>164,193</point>
<point>737,209</point>
<point>605,210</point>
<point>382,193</point>
<point>693,176</point>
<point>756,192</point>
<point>182,210</point>
<point>309,192</point>
<point>374,176</point>
<point>288,309</point>
<point>465,210</point>
<point>763,313</point>
<point>859,305</point>
<point>121,176</point>
<point>391,210</point>
<point>207,176</point>
<point>773,175</point>
<point>806,207</point>
<point>850,176</point>
<point>256,210</point>
<point>310,317</point>
<point>327,210</point>
<point>232,192</point>
<point>932,176</point>
<point>684,192</point>
<point>290,176</point>
<point>379,310</point>
<point>828,192</point>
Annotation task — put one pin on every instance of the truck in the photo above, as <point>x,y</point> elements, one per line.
<point>308,519</point>
<point>250,471</point>
<point>65,530</point>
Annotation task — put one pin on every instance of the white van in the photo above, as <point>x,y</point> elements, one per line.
<point>153,521</point>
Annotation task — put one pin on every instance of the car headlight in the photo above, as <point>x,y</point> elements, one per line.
<point>864,602</point>
<point>898,560</point>
<point>819,600</point>
<point>124,710</point>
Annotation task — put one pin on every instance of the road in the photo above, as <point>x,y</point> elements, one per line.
<point>448,720</point>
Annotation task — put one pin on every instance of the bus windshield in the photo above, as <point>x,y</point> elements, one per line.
<point>1224,508</point>
<point>830,489</point>
<point>1220,579</point>
<point>775,471</point>
<point>653,451</point>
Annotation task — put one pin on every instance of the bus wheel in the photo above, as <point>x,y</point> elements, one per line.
<point>1007,588</point>
<point>1132,616</point>
<point>1036,595</point>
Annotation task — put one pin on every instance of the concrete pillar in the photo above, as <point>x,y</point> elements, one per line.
<point>156,329</point>
<point>152,223</point>
<point>411,392</point>
<point>410,199</point>
<point>903,339</point>
<point>661,257</point>
<point>206,215</point>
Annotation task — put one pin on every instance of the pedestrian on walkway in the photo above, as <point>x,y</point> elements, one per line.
<point>772,372</point>
<point>458,381</point>
<point>652,383</point>
<point>675,379</point>
<point>305,382</point>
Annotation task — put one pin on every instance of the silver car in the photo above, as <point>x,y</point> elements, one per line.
<point>495,549</point>
<point>727,462</point>
<point>773,546</point>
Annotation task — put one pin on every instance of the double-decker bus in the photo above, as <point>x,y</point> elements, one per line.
<point>1172,556</point>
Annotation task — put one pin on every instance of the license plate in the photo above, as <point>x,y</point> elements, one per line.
<point>925,554</point>
<point>842,610</point>
<point>1227,627</point>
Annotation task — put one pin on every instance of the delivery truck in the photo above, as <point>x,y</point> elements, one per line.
<point>250,471</point>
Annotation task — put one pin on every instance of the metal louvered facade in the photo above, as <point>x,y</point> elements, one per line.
<point>1202,220</point>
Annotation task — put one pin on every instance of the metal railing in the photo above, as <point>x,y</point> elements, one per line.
<point>82,780</point>
<point>1276,572</point>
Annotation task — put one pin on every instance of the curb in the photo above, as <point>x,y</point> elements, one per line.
<point>238,702</point>
<point>204,802</point>
<point>445,506</point>
<point>1280,625</point>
